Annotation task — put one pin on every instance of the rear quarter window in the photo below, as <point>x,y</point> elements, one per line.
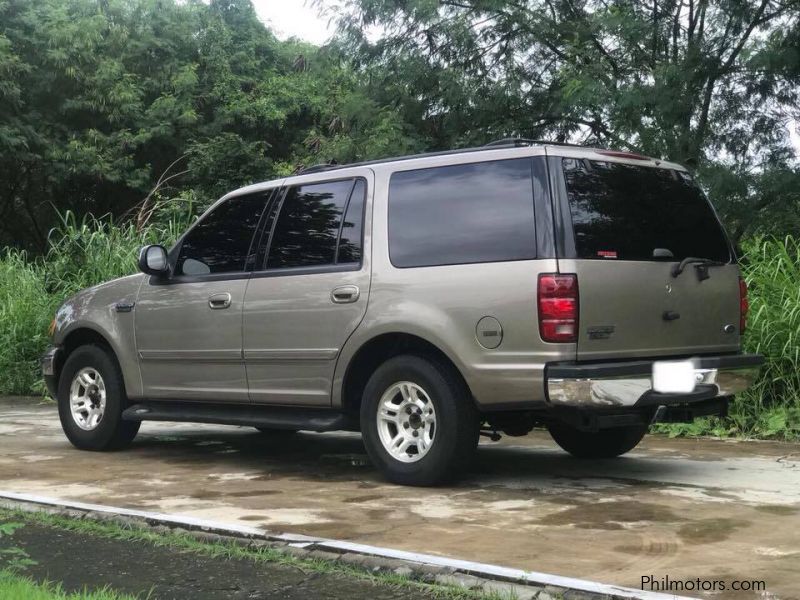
<point>630,212</point>
<point>469,213</point>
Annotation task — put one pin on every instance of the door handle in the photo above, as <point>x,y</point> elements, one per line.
<point>218,301</point>
<point>344,294</point>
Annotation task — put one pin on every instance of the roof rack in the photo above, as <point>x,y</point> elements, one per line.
<point>318,168</point>
<point>495,145</point>
<point>519,142</point>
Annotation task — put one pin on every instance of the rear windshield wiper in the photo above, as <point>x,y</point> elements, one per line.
<point>706,262</point>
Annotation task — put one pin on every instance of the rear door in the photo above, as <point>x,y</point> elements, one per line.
<point>625,224</point>
<point>311,290</point>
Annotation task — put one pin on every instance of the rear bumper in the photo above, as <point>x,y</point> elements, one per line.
<point>628,384</point>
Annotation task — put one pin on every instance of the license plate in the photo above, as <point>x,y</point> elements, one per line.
<point>673,377</point>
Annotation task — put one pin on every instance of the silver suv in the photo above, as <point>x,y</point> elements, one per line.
<point>423,300</point>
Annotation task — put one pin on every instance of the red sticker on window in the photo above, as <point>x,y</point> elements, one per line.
<point>607,253</point>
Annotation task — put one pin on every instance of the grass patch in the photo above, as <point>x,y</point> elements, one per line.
<point>17,587</point>
<point>185,542</point>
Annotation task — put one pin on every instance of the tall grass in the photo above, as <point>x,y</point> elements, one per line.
<point>772,271</point>
<point>82,253</point>
<point>25,311</point>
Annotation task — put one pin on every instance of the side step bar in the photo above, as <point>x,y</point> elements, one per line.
<point>273,417</point>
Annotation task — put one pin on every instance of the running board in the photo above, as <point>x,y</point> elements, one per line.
<point>272,417</point>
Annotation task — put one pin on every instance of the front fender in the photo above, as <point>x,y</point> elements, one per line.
<point>106,310</point>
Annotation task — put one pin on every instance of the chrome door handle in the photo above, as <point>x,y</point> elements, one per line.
<point>344,294</point>
<point>218,301</point>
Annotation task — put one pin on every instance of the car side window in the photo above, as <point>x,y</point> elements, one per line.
<point>464,213</point>
<point>309,224</point>
<point>220,241</point>
<point>350,240</point>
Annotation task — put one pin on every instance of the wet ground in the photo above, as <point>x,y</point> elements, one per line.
<point>79,561</point>
<point>683,509</point>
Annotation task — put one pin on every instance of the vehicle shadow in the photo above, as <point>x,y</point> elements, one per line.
<point>342,457</point>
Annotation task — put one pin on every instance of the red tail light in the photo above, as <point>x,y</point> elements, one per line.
<point>558,307</point>
<point>744,305</point>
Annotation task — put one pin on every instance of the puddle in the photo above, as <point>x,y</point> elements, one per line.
<point>209,494</point>
<point>707,531</point>
<point>609,515</point>
<point>365,498</point>
<point>234,476</point>
<point>354,460</point>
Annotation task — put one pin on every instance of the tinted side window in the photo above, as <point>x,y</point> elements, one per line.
<point>308,225</point>
<point>472,213</point>
<point>626,212</point>
<point>353,226</point>
<point>220,241</point>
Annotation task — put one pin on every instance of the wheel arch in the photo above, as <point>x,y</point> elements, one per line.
<point>378,350</point>
<point>82,335</point>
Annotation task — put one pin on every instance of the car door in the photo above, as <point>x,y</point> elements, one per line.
<point>311,290</point>
<point>189,325</point>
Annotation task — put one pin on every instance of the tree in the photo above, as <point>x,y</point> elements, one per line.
<point>103,101</point>
<point>709,83</point>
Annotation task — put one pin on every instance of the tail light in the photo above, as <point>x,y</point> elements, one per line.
<point>744,305</point>
<point>558,307</point>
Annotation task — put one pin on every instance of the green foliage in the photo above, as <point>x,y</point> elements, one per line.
<point>713,85</point>
<point>771,408</point>
<point>82,253</point>
<point>772,271</point>
<point>99,99</point>
<point>25,311</point>
<point>23,588</point>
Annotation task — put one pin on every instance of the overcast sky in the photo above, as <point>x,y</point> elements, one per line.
<point>296,18</point>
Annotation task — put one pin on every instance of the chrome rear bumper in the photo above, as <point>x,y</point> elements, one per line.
<point>629,384</point>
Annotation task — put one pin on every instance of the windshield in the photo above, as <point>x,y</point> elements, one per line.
<point>630,212</point>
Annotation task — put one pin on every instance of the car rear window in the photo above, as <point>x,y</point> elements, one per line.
<point>458,214</point>
<point>630,212</point>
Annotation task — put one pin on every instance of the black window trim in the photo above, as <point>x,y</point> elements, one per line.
<point>314,269</point>
<point>536,255</point>
<point>174,252</point>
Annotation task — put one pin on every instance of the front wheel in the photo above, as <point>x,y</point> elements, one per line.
<point>91,398</point>
<point>606,443</point>
<point>418,421</point>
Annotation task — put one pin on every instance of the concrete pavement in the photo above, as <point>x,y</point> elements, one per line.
<point>683,509</point>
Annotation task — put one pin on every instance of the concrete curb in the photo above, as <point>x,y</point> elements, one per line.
<point>503,581</point>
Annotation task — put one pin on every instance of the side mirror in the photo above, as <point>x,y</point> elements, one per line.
<point>153,260</point>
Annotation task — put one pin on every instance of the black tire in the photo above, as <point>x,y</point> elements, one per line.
<point>606,443</point>
<point>456,431</point>
<point>111,433</point>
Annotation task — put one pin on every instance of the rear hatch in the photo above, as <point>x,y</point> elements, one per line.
<point>632,221</point>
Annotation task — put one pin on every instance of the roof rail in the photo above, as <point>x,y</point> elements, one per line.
<point>519,142</point>
<point>318,168</point>
<point>497,144</point>
<point>513,142</point>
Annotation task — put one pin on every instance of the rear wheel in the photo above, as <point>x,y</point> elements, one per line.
<point>418,421</point>
<point>91,398</point>
<point>606,443</point>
